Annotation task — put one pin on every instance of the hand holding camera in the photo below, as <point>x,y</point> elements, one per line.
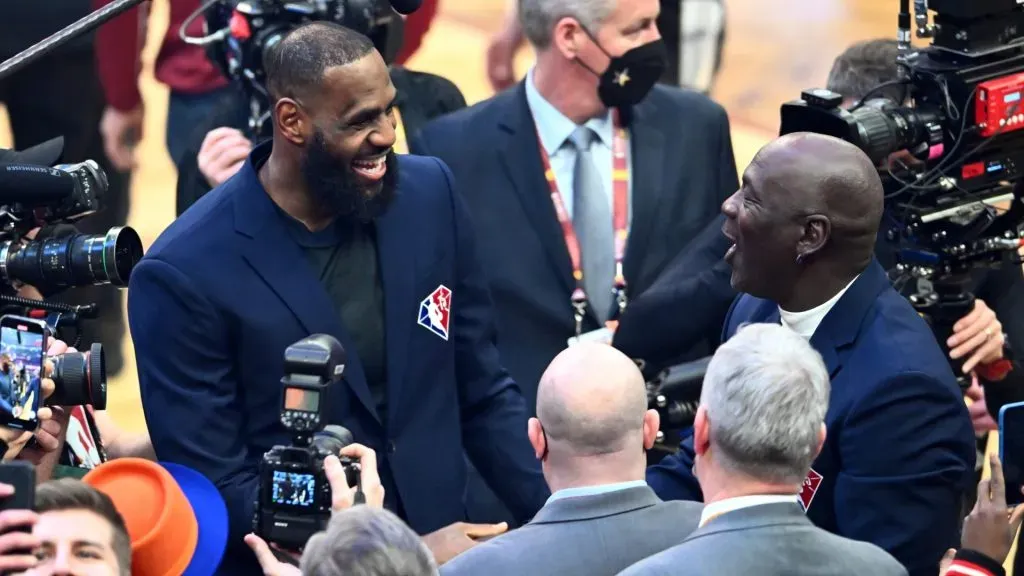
<point>344,495</point>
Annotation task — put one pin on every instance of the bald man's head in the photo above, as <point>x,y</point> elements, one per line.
<point>592,401</point>
<point>804,198</point>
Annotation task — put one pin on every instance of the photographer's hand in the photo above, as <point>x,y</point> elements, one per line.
<point>979,335</point>
<point>222,154</point>
<point>268,560</point>
<point>343,496</point>
<point>14,542</point>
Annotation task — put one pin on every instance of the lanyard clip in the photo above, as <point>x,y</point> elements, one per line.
<point>579,304</point>
<point>620,299</point>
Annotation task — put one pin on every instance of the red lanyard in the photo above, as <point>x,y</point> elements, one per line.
<point>620,212</point>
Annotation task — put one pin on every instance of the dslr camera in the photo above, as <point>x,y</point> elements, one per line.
<point>294,497</point>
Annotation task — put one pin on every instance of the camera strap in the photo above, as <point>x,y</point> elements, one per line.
<point>620,217</point>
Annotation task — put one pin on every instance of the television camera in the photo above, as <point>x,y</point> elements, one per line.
<point>675,394</point>
<point>39,199</point>
<point>239,33</point>
<point>294,497</point>
<point>953,206</point>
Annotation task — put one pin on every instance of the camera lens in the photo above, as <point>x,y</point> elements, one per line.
<point>80,379</point>
<point>74,260</point>
<point>332,439</point>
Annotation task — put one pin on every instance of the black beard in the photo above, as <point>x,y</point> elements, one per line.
<point>335,189</point>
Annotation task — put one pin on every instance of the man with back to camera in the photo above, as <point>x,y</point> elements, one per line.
<point>591,419</point>
<point>584,181</point>
<point>899,453</point>
<point>326,230</point>
<point>760,424</point>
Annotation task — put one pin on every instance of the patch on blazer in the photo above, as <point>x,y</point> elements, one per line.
<point>809,489</point>
<point>435,311</point>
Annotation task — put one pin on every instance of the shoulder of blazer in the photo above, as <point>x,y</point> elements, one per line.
<point>668,101</point>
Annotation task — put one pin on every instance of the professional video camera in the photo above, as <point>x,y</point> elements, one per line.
<point>294,499</point>
<point>36,192</point>
<point>239,33</point>
<point>955,207</point>
<point>675,394</point>
<point>36,195</point>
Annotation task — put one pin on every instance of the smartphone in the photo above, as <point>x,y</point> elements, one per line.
<point>1011,450</point>
<point>21,366</point>
<point>21,475</point>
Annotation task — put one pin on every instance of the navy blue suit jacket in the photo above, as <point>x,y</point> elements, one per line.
<point>683,169</point>
<point>224,290</point>
<point>899,451</point>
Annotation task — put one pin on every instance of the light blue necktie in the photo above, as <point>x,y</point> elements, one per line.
<point>592,219</point>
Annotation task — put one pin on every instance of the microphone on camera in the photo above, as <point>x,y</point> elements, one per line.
<point>34,185</point>
<point>406,7</point>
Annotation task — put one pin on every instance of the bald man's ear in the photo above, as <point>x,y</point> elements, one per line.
<point>822,434</point>
<point>652,422</point>
<point>292,121</point>
<point>701,432</point>
<point>536,434</point>
<point>817,230</point>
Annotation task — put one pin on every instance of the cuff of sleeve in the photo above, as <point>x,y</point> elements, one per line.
<point>125,101</point>
<point>974,563</point>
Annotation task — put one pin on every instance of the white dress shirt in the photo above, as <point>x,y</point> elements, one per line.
<point>554,129</point>
<point>716,509</point>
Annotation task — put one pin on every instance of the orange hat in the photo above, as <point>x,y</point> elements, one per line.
<point>162,527</point>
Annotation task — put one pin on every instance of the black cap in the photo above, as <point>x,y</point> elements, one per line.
<point>46,154</point>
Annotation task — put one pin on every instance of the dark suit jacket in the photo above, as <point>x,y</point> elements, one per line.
<point>683,168</point>
<point>224,290</point>
<point>592,535</point>
<point>900,448</point>
<point>421,98</point>
<point>768,540</point>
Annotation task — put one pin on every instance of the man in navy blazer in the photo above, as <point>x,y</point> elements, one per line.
<point>900,449</point>
<point>291,246</point>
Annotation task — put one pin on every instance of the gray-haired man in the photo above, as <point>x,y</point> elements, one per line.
<point>591,433</point>
<point>760,425</point>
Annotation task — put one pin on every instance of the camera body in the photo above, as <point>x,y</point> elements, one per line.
<point>255,26</point>
<point>33,196</point>
<point>294,497</point>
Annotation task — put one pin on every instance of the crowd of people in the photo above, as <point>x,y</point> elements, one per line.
<point>504,279</point>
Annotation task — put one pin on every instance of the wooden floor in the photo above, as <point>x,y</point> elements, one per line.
<point>775,49</point>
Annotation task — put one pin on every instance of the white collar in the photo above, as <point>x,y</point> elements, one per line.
<point>716,509</point>
<point>806,322</point>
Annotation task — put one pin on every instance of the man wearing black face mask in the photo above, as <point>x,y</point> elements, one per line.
<point>585,180</point>
<point>324,230</point>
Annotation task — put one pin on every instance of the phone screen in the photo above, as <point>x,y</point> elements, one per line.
<point>1011,450</point>
<point>21,364</point>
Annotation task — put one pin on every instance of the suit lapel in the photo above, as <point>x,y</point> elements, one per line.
<point>521,160</point>
<point>648,157</point>
<point>278,260</point>
<point>841,325</point>
<point>396,259</point>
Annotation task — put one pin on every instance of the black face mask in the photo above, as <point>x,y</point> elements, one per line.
<point>629,78</point>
